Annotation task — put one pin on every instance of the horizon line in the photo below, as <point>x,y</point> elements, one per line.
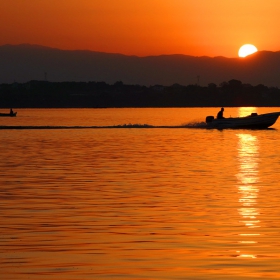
<point>140,56</point>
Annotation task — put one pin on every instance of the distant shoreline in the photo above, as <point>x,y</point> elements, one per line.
<point>43,94</point>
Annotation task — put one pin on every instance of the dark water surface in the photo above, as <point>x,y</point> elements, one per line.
<point>138,203</point>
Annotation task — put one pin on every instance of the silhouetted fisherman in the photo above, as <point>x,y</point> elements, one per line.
<point>220,114</point>
<point>11,111</point>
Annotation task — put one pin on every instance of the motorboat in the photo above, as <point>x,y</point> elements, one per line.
<point>253,121</point>
<point>13,114</point>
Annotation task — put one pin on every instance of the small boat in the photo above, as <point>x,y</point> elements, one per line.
<point>13,114</point>
<point>253,121</point>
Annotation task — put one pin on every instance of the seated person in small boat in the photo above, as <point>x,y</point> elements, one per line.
<point>220,114</point>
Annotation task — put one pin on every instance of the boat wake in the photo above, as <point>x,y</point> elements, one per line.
<point>120,126</point>
<point>195,125</point>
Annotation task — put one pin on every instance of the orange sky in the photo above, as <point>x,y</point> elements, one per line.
<point>146,27</point>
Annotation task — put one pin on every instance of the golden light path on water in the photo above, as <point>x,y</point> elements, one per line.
<point>248,156</point>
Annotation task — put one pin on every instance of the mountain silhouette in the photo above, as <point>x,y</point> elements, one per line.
<point>22,63</point>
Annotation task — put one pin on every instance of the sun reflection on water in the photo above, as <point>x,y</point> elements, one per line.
<point>248,156</point>
<point>246,111</point>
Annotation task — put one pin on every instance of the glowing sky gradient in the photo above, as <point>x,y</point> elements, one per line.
<point>146,27</point>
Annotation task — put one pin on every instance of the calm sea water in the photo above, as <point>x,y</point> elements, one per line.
<point>138,203</point>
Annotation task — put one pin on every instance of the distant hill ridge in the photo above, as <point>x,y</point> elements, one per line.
<point>22,63</point>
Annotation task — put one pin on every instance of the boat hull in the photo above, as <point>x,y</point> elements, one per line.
<point>8,114</point>
<point>253,121</point>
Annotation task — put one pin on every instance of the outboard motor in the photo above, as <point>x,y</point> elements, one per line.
<point>209,119</point>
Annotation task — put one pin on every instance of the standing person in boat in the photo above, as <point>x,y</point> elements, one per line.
<point>11,111</point>
<point>220,115</point>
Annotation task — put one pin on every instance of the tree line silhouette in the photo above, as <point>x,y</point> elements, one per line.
<point>44,94</point>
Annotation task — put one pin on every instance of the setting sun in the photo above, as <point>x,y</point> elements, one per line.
<point>247,49</point>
